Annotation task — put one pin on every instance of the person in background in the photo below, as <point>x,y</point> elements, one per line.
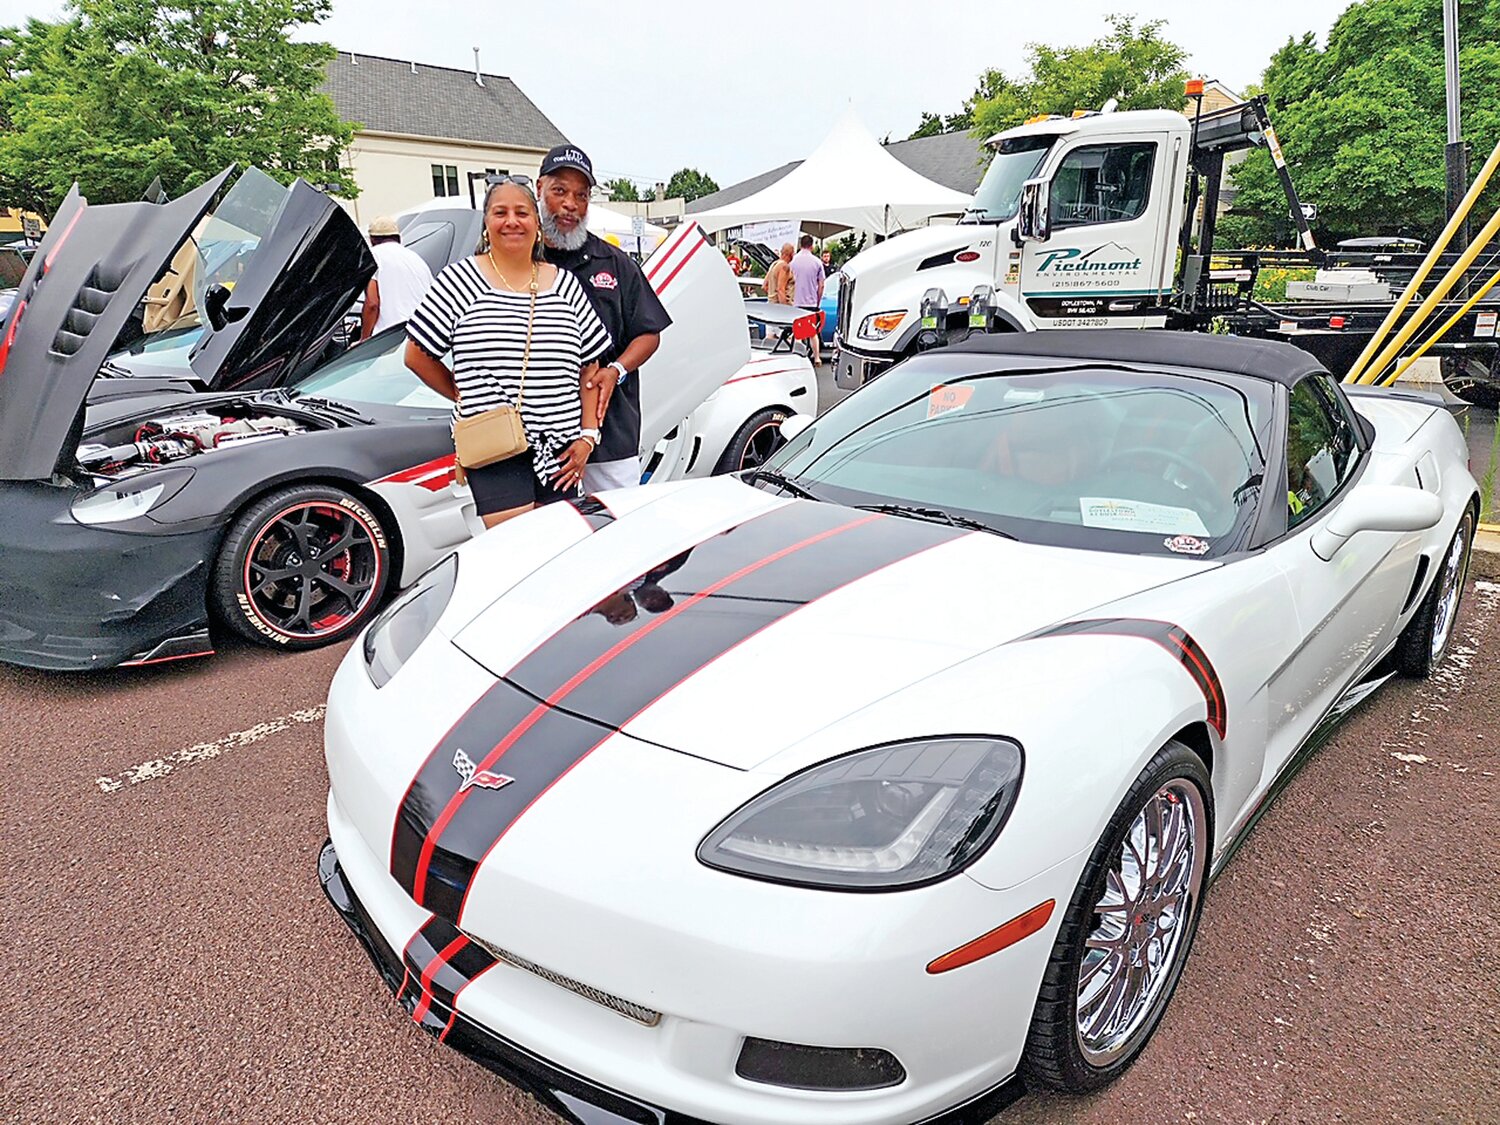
<point>522,334</point>
<point>779,278</point>
<point>827,262</point>
<point>627,305</point>
<point>808,277</point>
<point>401,280</point>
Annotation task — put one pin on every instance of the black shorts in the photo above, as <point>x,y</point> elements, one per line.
<point>511,483</point>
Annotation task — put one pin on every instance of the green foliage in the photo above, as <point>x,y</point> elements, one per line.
<point>1363,124</point>
<point>122,91</point>
<point>690,184</point>
<point>1487,510</point>
<point>844,247</point>
<point>1137,65</point>
<point>935,123</point>
<point>622,190</point>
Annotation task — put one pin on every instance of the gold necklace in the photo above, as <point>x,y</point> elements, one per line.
<point>494,265</point>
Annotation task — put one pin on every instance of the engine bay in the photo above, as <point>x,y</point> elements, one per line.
<point>161,440</point>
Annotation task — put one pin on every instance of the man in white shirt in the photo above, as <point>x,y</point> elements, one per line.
<point>401,280</point>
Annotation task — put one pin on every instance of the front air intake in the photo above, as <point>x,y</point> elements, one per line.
<point>799,1067</point>
<point>627,1008</point>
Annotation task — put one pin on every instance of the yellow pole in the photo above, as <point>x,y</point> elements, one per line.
<point>1441,332</point>
<point>1371,373</point>
<point>1410,292</point>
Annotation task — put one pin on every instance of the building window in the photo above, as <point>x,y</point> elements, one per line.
<point>444,179</point>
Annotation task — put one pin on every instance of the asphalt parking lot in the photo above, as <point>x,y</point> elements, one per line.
<point>170,955</point>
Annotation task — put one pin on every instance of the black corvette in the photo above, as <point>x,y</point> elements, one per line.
<point>133,511</point>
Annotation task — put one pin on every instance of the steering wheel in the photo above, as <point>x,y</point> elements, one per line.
<point>1207,488</point>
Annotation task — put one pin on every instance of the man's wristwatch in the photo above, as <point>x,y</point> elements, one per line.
<point>620,367</point>
<point>591,436</point>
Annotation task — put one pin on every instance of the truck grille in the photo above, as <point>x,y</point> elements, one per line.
<point>846,302</point>
<point>630,1010</point>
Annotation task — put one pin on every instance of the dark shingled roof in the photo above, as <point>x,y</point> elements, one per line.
<point>384,96</point>
<point>950,159</point>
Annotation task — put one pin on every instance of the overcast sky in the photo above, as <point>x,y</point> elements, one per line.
<point>736,89</point>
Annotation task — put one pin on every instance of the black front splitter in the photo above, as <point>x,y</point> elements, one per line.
<point>575,1099</point>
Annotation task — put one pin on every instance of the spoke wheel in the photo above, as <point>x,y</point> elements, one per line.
<point>753,442</point>
<point>302,568</point>
<point>1127,931</point>
<point>1426,637</point>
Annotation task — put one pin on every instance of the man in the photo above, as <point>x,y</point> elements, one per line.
<point>623,300</point>
<point>808,278</point>
<point>779,278</point>
<point>401,280</point>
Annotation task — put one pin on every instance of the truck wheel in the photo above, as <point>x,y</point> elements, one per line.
<point>302,567</point>
<point>753,442</point>
<point>1472,380</point>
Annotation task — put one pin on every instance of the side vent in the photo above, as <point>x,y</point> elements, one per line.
<point>88,305</point>
<point>1416,583</point>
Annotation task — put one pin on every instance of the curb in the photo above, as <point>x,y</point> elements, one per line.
<point>1485,562</point>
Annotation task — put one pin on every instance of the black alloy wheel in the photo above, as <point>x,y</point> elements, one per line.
<point>302,567</point>
<point>753,442</point>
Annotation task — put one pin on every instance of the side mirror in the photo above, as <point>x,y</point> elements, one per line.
<point>793,425</point>
<point>1376,507</point>
<point>1033,219</point>
<point>214,302</point>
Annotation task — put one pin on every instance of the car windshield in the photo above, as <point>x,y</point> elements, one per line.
<point>1015,161</point>
<point>1084,456</point>
<point>228,238</point>
<point>374,372</point>
<point>162,352</point>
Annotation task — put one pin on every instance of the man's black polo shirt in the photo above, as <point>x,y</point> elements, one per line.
<point>629,307</point>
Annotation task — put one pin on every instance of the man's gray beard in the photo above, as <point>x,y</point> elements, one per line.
<point>560,239</point>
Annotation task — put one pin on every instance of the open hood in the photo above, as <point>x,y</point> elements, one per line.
<point>84,284</point>
<point>282,265</point>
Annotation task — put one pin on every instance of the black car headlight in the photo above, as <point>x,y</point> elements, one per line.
<point>395,634</point>
<point>892,816</point>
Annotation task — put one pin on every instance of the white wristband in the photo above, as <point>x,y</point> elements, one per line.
<point>620,367</point>
<point>589,435</point>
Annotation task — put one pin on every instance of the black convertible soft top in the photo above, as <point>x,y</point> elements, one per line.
<point>1259,359</point>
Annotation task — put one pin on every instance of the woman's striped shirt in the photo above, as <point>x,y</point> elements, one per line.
<point>485,328</point>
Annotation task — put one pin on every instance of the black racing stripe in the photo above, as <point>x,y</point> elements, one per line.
<point>614,661</point>
<point>429,992</point>
<point>1174,639</point>
<point>593,510</point>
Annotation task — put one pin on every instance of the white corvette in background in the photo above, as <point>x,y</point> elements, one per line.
<point>852,789</point>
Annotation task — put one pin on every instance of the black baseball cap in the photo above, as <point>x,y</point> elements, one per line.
<point>568,156</point>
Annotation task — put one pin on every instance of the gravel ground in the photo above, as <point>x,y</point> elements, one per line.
<point>170,955</point>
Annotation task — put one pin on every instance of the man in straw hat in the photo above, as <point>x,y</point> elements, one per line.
<point>401,280</point>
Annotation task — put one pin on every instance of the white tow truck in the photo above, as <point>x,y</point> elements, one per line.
<point>1089,222</point>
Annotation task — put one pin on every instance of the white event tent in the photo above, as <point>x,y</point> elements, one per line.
<point>849,180</point>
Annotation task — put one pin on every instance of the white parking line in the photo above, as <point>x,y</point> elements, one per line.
<point>157,768</point>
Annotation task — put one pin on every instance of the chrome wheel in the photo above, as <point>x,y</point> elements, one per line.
<point>1135,945</point>
<point>1451,587</point>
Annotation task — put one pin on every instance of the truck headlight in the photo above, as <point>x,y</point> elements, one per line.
<point>889,817</point>
<point>395,634</point>
<point>877,326</point>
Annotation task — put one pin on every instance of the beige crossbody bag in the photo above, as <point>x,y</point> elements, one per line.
<point>496,435</point>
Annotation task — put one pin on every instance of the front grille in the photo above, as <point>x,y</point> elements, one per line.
<point>799,1067</point>
<point>844,329</point>
<point>630,1010</point>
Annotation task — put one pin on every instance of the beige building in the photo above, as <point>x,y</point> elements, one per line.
<point>426,131</point>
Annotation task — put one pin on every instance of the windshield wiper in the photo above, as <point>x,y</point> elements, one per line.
<point>773,477</point>
<point>329,404</point>
<point>934,515</point>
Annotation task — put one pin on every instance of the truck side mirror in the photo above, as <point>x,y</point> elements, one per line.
<point>1033,220</point>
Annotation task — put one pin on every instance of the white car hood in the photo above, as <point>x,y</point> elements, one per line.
<point>727,624</point>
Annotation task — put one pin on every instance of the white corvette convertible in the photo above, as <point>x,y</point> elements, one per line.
<point>854,788</point>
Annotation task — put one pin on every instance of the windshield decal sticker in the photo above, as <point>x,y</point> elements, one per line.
<point>1186,545</point>
<point>1137,515</point>
<point>944,398</point>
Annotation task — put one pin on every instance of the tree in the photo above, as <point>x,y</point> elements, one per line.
<point>935,123</point>
<point>1363,126</point>
<point>690,184</point>
<point>622,190</point>
<point>126,90</point>
<point>1137,65</point>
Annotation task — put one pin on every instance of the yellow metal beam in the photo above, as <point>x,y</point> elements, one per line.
<point>1438,335</point>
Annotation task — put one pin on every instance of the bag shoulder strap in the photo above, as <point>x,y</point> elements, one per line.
<point>526,355</point>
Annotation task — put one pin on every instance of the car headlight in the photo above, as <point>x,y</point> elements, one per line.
<point>892,816</point>
<point>877,326</point>
<point>126,500</point>
<point>404,624</point>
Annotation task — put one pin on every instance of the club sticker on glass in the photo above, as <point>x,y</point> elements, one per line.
<point>1137,515</point>
<point>943,398</point>
<point>1187,545</point>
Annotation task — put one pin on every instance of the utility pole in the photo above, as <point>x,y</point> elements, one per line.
<point>1457,152</point>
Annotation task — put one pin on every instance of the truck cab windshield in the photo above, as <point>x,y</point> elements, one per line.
<point>1016,160</point>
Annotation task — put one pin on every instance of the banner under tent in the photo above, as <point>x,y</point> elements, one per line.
<point>848,181</point>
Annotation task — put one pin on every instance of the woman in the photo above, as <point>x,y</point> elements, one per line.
<point>484,309</point>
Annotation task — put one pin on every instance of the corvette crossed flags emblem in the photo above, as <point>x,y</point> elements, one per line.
<point>472,775</point>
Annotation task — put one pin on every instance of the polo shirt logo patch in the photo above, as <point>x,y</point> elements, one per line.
<point>604,280</point>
